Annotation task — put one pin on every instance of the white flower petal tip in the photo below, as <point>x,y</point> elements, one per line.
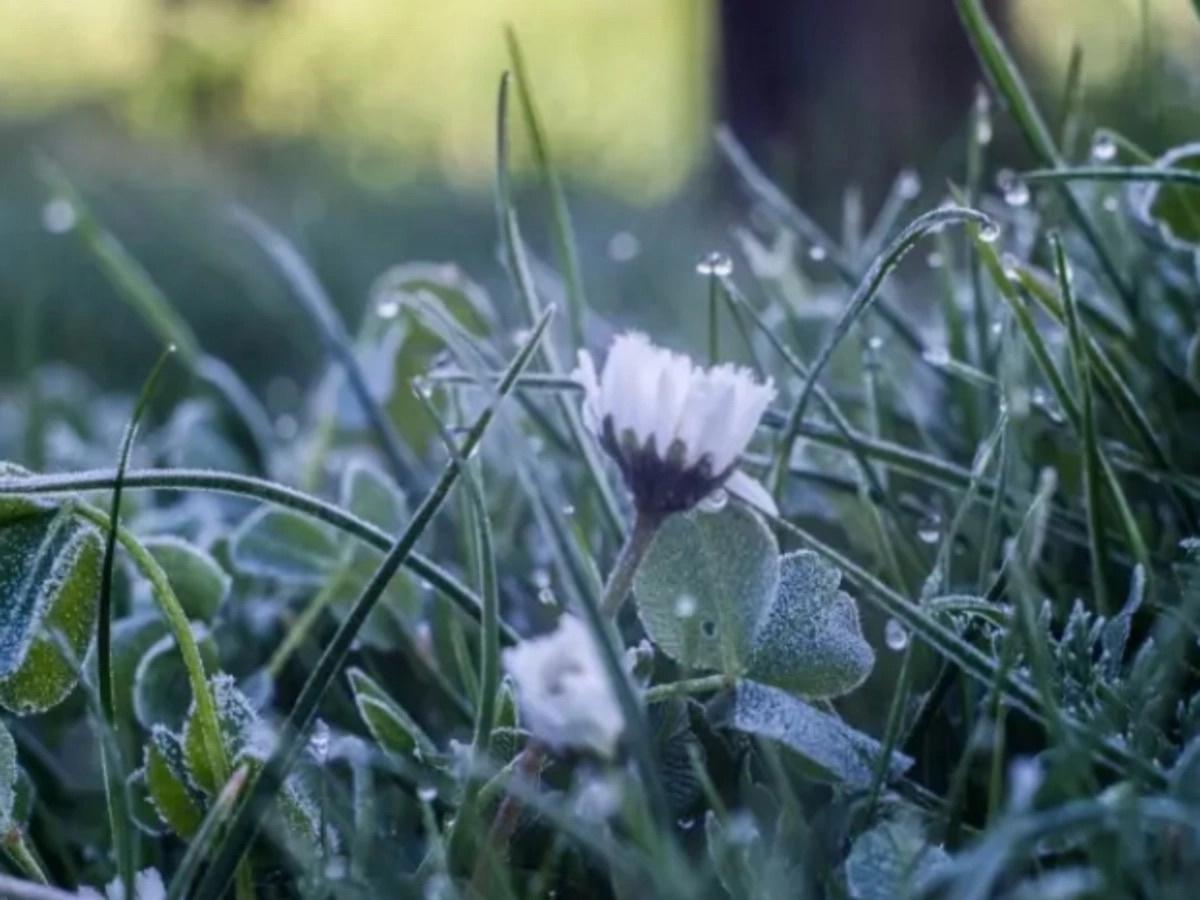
<point>565,696</point>
<point>752,491</point>
<point>675,429</point>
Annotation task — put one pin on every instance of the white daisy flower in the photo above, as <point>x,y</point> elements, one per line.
<point>675,429</point>
<point>565,696</point>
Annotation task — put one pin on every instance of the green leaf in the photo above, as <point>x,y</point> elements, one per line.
<point>49,590</point>
<point>392,727</point>
<point>809,642</point>
<point>370,494</point>
<point>132,637</point>
<point>161,690</point>
<point>141,809</point>
<point>282,545</point>
<point>891,860</point>
<point>704,586</point>
<point>177,802</point>
<point>832,749</point>
<point>13,506</point>
<point>1175,208</point>
<point>9,773</point>
<point>241,730</point>
<point>199,581</point>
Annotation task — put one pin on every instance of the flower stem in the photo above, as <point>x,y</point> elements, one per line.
<point>620,580</point>
<point>703,685</point>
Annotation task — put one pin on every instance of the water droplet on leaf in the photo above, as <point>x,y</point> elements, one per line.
<point>895,635</point>
<point>715,264</point>
<point>685,606</point>
<point>58,216</point>
<point>989,233</point>
<point>1104,148</point>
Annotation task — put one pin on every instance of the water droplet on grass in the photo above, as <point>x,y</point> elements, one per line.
<point>935,260</point>
<point>427,792</point>
<point>817,253</point>
<point>715,264</point>
<point>989,233</point>
<point>875,342</point>
<point>1017,193</point>
<point>58,216</point>
<point>685,606</point>
<point>909,184</point>
<point>1104,148</point>
<point>936,356</point>
<point>623,247</point>
<point>895,635</point>
<point>929,531</point>
<point>388,309</point>
<point>714,502</point>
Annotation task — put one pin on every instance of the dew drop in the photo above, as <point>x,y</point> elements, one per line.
<point>58,216</point>
<point>909,184</point>
<point>1111,204</point>
<point>387,309</point>
<point>1104,148</point>
<point>714,502</point>
<point>715,264</point>
<point>875,342</point>
<point>817,253</point>
<point>929,531</point>
<point>983,131</point>
<point>937,356</point>
<point>935,260</point>
<point>685,606</point>
<point>427,792</point>
<point>895,635</point>
<point>687,823</point>
<point>541,578</point>
<point>1017,193</point>
<point>996,328</point>
<point>546,597</point>
<point>624,247</point>
<point>989,233</point>
<point>568,509</point>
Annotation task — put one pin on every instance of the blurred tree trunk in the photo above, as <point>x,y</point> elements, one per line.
<point>824,93</point>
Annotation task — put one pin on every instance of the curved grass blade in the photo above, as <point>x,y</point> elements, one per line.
<point>315,302</point>
<point>248,486</point>
<point>115,787</point>
<point>134,285</point>
<point>1189,177</point>
<point>1006,79</point>
<point>245,824</point>
<point>564,230</point>
<point>866,294</point>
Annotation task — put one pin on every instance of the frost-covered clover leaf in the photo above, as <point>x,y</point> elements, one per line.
<point>809,642</point>
<point>49,590</point>
<point>713,592</point>
<point>832,749</point>
<point>705,585</point>
<point>893,859</point>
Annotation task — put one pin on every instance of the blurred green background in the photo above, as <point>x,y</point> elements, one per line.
<point>364,130</point>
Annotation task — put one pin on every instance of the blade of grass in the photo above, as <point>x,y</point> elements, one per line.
<point>1092,489</point>
<point>1007,80</point>
<point>113,766</point>
<point>564,230</point>
<point>866,294</point>
<point>246,821</point>
<point>791,216</point>
<point>134,285</point>
<point>314,301</point>
<point>523,284</point>
<point>239,485</point>
<point>1164,174</point>
<point>489,640</point>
